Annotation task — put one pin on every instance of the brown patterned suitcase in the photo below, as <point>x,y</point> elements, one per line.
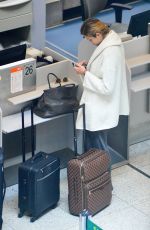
<point>89,180</point>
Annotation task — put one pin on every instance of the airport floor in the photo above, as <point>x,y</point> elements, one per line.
<point>129,209</point>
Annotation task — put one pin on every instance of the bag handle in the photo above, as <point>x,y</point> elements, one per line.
<point>27,107</point>
<point>38,156</point>
<point>82,106</point>
<point>57,79</point>
<point>69,85</point>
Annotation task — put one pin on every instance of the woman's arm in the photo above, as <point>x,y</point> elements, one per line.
<point>103,82</point>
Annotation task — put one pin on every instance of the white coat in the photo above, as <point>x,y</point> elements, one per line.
<point>105,92</point>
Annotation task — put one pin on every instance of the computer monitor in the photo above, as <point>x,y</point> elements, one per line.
<point>138,24</point>
<point>12,54</point>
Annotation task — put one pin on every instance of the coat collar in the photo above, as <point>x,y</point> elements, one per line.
<point>112,39</point>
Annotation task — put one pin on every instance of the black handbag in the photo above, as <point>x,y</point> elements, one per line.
<point>56,101</point>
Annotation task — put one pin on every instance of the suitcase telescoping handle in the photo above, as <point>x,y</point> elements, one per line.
<point>75,131</point>
<point>28,107</point>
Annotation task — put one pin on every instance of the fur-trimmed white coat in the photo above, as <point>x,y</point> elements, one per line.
<point>105,92</point>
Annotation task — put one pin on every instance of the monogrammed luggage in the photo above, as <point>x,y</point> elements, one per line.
<point>89,181</point>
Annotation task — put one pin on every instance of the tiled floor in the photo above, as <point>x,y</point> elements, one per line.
<point>140,156</point>
<point>129,209</point>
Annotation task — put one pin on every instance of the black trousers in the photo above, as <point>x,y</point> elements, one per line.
<point>96,139</point>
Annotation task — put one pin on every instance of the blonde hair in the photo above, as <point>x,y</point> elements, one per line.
<point>92,26</point>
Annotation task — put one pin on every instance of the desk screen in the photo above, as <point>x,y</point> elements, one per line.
<point>139,24</point>
<point>13,54</point>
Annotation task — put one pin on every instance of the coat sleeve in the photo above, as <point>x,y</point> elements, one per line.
<point>103,82</point>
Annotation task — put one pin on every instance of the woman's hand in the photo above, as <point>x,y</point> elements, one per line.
<point>84,63</point>
<point>80,68</point>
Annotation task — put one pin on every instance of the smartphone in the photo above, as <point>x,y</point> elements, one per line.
<point>74,64</point>
<point>84,64</point>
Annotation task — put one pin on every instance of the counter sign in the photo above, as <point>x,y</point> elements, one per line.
<point>28,70</point>
<point>16,76</point>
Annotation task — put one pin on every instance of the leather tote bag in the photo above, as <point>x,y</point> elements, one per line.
<point>56,101</point>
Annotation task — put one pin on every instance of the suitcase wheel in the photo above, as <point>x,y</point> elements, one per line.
<point>53,206</point>
<point>32,219</point>
<point>20,214</point>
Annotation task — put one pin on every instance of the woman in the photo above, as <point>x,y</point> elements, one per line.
<point>105,92</point>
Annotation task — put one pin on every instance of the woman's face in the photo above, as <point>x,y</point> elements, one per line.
<point>95,40</point>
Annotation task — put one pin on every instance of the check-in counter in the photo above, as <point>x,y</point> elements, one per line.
<point>54,12</point>
<point>15,21</point>
<point>27,82</point>
<point>51,134</point>
<point>137,52</point>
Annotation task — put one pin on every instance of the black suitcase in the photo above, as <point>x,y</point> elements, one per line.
<point>2,179</point>
<point>38,180</point>
<point>2,187</point>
